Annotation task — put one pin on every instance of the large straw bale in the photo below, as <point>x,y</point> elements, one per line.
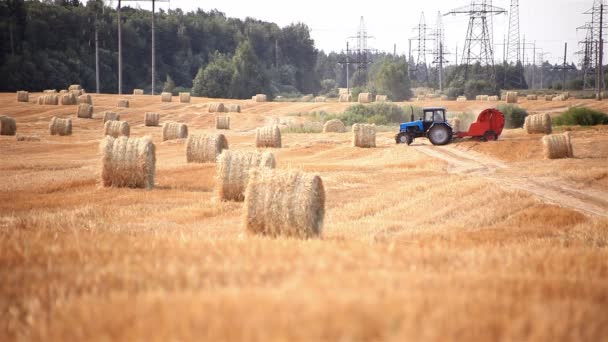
<point>345,98</point>
<point>77,93</point>
<point>461,99</point>
<point>284,203</point>
<point>49,91</point>
<point>233,108</point>
<point>174,130</point>
<point>49,99</point>
<point>74,87</point>
<point>493,98</point>
<point>512,97</point>
<point>269,136</point>
<point>8,125</point>
<point>539,123</point>
<point>184,97</point>
<point>261,98</point>
<point>138,91</point>
<point>122,103</point>
<point>320,99</point>
<point>116,128</point>
<point>85,111</point>
<point>69,99</point>
<point>381,98</point>
<point>166,97</point>
<point>205,148</point>
<point>216,107</point>
<point>152,119</point>
<point>85,98</point>
<point>365,98</point>
<point>222,122</point>
<point>109,116</point>
<point>548,97</point>
<point>334,126</point>
<point>557,146</point>
<point>23,96</point>
<point>128,162</point>
<point>60,126</point>
<point>364,135</point>
<point>233,172</point>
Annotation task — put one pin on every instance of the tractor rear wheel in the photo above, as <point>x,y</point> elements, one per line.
<point>440,135</point>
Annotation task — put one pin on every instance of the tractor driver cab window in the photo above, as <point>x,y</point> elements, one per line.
<point>438,116</point>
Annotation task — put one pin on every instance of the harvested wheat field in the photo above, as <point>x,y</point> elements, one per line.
<point>465,242</point>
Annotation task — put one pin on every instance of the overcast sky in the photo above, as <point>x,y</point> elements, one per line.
<point>548,22</point>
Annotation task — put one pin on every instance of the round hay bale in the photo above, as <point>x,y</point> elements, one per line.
<point>539,123</point>
<point>345,98</point>
<point>174,130</point>
<point>49,91</point>
<point>548,97</point>
<point>60,127</point>
<point>76,93</point>
<point>49,99</point>
<point>234,108</point>
<point>85,111</point>
<point>565,95</point>
<point>512,97</point>
<point>444,98</point>
<point>222,122</point>
<point>306,98</point>
<point>116,128</point>
<point>261,98</point>
<point>128,162</point>
<point>74,87</point>
<point>284,203</point>
<point>204,148</point>
<point>532,97</point>
<point>493,98</point>
<point>557,146</point>
<point>23,96</point>
<point>184,97</point>
<point>166,97</point>
<point>381,98</point>
<point>110,116</point>
<point>138,91</point>
<point>233,172</point>
<point>122,103</point>
<point>461,99</point>
<point>364,135</point>
<point>8,125</point>
<point>269,136</point>
<point>455,125</point>
<point>334,126</point>
<point>152,119</point>
<point>320,99</point>
<point>365,98</point>
<point>558,98</point>
<point>69,99</point>
<point>216,107</point>
<point>86,98</point>
<point>64,91</point>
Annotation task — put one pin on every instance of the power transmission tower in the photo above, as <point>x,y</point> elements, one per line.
<point>592,47</point>
<point>362,52</point>
<point>513,47</point>
<point>439,50</point>
<point>422,37</point>
<point>478,44</point>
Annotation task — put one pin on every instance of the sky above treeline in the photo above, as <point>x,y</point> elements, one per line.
<point>547,23</point>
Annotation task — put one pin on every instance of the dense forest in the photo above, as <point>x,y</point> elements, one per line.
<point>49,44</point>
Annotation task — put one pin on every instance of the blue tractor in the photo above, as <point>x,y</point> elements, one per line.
<point>432,125</point>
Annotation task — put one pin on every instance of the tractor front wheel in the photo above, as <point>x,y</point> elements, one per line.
<point>405,138</point>
<point>440,135</point>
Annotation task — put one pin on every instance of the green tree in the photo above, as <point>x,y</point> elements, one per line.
<point>215,79</point>
<point>250,77</point>
<point>169,85</point>
<point>393,80</point>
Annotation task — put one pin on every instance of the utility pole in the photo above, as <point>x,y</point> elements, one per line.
<point>119,51</point>
<point>600,61</point>
<point>534,65</point>
<point>97,87</point>
<point>153,51</point>
<point>565,67</point>
<point>347,69</point>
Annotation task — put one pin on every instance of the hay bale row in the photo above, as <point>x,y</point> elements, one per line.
<point>49,99</point>
<point>166,97</point>
<point>8,125</point>
<point>365,98</point>
<point>557,146</point>
<point>151,119</point>
<point>116,128</point>
<point>539,123</point>
<point>222,122</point>
<point>260,98</point>
<point>482,98</point>
<point>86,98</point>
<point>364,135</point>
<point>512,97</point>
<point>284,203</point>
<point>461,99</point>
<point>233,108</point>
<point>532,97</point>
<point>138,91</point>
<point>320,99</point>
<point>69,99</point>
<point>345,98</point>
<point>85,111</point>
<point>122,103</point>
<point>128,162</point>
<point>216,107</point>
<point>23,96</point>
<point>381,98</point>
<point>205,148</point>
<point>233,172</point>
<point>184,97</point>
<point>60,127</point>
<point>110,116</point>
<point>174,130</point>
<point>334,126</point>
<point>269,136</point>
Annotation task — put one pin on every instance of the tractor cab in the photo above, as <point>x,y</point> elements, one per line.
<point>431,116</point>
<point>432,125</point>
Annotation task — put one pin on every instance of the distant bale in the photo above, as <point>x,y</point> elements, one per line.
<point>174,130</point>
<point>76,93</point>
<point>503,96</point>
<point>85,111</point>
<point>306,98</point>
<point>116,128</point>
<point>548,97</point>
<point>74,87</point>
<point>60,126</point>
<point>269,136</point>
<point>22,137</point>
<point>461,99</point>
<point>233,172</point>
<point>334,126</point>
<point>381,98</point>
<point>205,148</point>
<point>49,91</point>
<point>184,97</point>
<point>152,119</point>
<point>539,123</point>
<point>558,98</point>
<point>69,99</point>
<point>261,98</point>
<point>216,107</point>
<point>233,108</point>
<point>128,162</point>
<point>64,91</point>
<point>532,97</point>
<point>122,103</point>
<point>23,96</point>
<point>565,95</point>
<point>138,91</point>
<point>166,97</point>
<point>493,98</point>
<point>444,98</point>
<point>284,203</point>
<point>512,97</point>
<point>484,98</point>
<point>456,123</point>
<point>320,99</point>
<point>85,98</point>
<point>345,98</point>
<point>49,99</point>
<point>365,98</point>
<point>8,125</point>
<point>557,146</point>
<point>222,122</point>
<point>110,116</point>
<point>364,135</point>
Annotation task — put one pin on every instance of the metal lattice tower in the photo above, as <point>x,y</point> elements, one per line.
<point>362,52</point>
<point>439,50</point>
<point>591,45</point>
<point>478,44</point>
<point>423,33</point>
<point>513,37</point>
